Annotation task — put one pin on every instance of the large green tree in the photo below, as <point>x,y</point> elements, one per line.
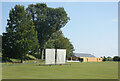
<point>20,36</point>
<point>58,41</point>
<point>0,43</point>
<point>47,21</point>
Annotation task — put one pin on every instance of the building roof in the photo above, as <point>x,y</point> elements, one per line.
<point>83,55</point>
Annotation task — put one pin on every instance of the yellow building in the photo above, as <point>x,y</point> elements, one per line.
<point>82,57</point>
<point>87,59</point>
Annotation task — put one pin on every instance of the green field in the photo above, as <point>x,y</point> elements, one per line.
<point>103,70</point>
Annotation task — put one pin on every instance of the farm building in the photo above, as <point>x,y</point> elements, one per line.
<point>83,57</point>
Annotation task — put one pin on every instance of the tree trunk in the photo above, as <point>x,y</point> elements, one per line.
<point>38,52</point>
<point>42,53</point>
<point>22,59</point>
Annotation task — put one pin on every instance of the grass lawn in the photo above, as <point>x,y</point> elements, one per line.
<point>103,70</point>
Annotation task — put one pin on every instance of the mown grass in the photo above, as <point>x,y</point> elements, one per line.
<point>103,70</point>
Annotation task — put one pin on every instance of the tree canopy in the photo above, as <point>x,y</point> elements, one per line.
<point>35,28</point>
<point>58,41</point>
<point>47,21</point>
<point>20,36</point>
<point>0,43</point>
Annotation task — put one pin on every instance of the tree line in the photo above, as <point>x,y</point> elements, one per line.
<point>33,29</point>
<point>0,48</point>
<point>115,58</point>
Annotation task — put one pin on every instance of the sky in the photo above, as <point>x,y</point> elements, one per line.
<point>93,26</point>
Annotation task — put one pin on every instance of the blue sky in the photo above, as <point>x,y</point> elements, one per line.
<point>93,26</point>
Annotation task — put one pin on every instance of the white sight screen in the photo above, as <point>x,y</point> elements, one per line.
<point>61,56</point>
<point>50,56</point>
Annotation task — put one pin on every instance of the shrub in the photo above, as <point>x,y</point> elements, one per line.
<point>116,58</point>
